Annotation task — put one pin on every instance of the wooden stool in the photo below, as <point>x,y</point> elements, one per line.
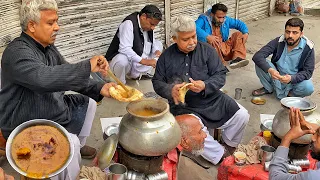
<point>2,145</point>
<point>217,134</point>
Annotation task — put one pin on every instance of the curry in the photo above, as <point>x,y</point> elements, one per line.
<point>40,150</point>
<point>146,112</point>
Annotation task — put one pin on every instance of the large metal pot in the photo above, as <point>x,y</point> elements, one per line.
<point>149,135</point>
<point>35,122</point>
<point>281,122</point>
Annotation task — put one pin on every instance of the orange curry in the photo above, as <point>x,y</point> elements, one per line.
<point>40,150</point>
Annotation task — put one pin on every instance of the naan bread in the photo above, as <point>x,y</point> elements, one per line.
<point>121,95</point>
<point>183,91</point>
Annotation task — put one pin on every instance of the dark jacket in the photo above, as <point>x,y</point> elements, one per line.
<point>276,47</point>
<point>138,42</point>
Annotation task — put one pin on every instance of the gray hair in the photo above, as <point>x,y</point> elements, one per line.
<point>184,128</point>
<point>182,23</point>
<point>30,10</point>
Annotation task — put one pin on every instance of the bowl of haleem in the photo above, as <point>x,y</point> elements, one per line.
<point>39,149</point>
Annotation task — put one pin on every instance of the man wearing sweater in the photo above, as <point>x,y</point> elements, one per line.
<point>291,66</point>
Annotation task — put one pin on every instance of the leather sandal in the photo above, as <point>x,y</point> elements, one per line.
<point>88,152</point>
<point>260,92</point>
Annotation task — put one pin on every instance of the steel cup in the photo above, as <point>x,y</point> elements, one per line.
<point>237,95</point>
<point>117,172</point>
<point>268,152</point>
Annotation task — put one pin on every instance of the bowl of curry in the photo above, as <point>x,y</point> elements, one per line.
<point>39,149</point>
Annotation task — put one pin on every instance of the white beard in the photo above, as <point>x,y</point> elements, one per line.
<point>197,152</point>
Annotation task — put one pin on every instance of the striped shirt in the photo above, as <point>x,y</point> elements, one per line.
<point>33,81</point>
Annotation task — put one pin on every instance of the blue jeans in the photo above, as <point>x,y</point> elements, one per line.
<point>302,89</point>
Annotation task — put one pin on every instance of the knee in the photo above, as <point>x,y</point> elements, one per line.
<point>243,115</point>
<point>237,34</point>
<point>92,104</point>
<point>120,61</point>
<point>259,71</point>
<point>304,88</point>
<point>309,89</point>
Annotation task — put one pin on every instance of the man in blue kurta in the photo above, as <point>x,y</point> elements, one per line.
<point>291,66</point>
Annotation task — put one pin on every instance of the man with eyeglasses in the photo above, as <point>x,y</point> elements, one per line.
<point>213,27</point>
<point>291,66</point>
<point>134,50</point>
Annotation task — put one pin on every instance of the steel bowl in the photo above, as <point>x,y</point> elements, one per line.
<point>298,102</point>
<point>111,129</point>
<point>266,125</point>
<point>35,122</point>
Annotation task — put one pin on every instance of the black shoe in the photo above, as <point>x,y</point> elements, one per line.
<point>146,76</point>
<point>238,62</point>
<point>228,71</point>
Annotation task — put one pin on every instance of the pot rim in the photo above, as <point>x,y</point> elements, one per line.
<point>149,117</point>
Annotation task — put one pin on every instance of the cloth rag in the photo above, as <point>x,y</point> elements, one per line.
<point>92,173</point>
<point>253,149</point>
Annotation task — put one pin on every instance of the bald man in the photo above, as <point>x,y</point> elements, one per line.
<point>191,165</point>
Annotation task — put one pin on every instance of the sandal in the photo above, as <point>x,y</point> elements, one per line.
<point>88,152</point>
<point>260,92</point>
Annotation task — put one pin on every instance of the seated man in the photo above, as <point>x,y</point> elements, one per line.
<point>35,77</point>
<point>213,27</point>
<point>190,164</point>
<point>197,62</point>
<point>291,66</point>
<point>278,169</point>
<point>134,50</point>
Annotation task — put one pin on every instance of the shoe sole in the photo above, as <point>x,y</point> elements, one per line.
<point>239,64</point>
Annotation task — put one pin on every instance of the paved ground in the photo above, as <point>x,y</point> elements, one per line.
<point>261,32</point>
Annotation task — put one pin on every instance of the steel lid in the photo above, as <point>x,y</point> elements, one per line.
<point>107,151</point>
<point>298,102</point>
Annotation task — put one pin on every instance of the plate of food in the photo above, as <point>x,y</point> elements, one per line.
<point>39,149</point>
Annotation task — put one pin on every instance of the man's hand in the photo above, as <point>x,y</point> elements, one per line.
<point>149,62</point>
<point>105,89</point>
<point>157,53</point>
<point>213,39</point>
<point>4,176</point>
<point>99,64</point>
<point>245,37</point>
<point>296,130</point>
<point>198,85</point>
<point>285,79</point>
<point>274,74</point>
<point>175,92</point>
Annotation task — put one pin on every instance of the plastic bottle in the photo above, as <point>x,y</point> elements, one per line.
<point>267,136</point>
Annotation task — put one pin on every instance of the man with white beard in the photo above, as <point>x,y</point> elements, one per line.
<point>191,165</point>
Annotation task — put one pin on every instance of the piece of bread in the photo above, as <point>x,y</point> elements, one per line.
<point>120,94</point>
<point>183,91</point>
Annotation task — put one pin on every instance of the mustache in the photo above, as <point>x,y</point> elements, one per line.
<point>191,46</point>
<point>55,33</point>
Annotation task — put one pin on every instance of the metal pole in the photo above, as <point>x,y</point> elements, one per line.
<point>167,12</point>
<point>237,9</point>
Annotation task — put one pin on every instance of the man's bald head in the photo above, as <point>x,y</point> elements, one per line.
<point>192,134</point>
<point>186,122</point>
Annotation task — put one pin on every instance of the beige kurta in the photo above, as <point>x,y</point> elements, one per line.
<point>188,169</point>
